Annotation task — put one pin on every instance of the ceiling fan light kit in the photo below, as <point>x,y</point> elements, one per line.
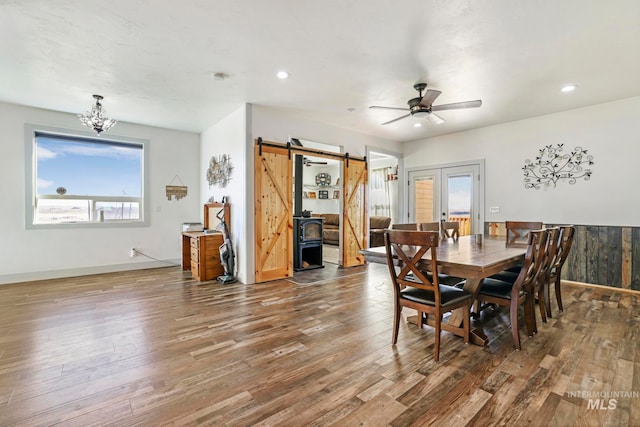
<point>422,106</point>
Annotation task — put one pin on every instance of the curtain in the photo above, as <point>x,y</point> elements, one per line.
<point>380,198</point>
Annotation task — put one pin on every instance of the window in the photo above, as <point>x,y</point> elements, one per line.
<point>84,181</point>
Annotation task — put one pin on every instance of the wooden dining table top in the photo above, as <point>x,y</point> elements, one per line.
<point>468,256</point>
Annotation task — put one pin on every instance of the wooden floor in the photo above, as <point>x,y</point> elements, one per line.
<point>155,348</point>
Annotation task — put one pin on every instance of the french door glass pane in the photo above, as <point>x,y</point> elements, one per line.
<point>459,201</point>
<point>424,200</point>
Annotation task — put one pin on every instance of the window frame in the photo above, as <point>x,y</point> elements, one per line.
<point>31,194</point>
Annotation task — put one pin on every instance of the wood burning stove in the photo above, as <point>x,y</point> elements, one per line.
<point>307,243</point>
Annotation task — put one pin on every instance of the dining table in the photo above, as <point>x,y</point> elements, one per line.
<point>472,258</point>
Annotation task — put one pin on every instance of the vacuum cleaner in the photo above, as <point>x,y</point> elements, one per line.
<point>227,257</point>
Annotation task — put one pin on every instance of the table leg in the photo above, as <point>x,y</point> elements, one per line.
<point>457,316</point>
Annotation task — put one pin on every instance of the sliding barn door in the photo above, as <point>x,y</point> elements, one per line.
<point>354,212</point>
<point>273,215</point>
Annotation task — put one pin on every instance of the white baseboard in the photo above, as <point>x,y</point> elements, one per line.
<point>73,272</point>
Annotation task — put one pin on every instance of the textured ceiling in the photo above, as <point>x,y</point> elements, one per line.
<point>153,60</point>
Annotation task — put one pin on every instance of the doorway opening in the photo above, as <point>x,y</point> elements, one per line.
<point>385,206</point>
<point>320,195</point>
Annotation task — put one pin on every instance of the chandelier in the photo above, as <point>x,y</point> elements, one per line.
<point>96,119</point>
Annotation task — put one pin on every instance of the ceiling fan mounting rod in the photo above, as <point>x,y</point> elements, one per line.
<point>420,87</point>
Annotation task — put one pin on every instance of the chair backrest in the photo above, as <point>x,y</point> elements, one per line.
<point>532,264</point>
<point>564,245</point>
<point>550,253</point>
<point>413,226</point>
<point>517,230</point>
<point>429,226</point>
<point>406,248</point>
<point>450,229</point>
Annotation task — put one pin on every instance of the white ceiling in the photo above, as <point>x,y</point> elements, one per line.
<point>152,60</point>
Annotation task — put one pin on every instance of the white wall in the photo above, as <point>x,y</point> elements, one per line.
<point>278,125</point>
<point>47,253</point>
<point>610,132</point>
<point>229,137</point>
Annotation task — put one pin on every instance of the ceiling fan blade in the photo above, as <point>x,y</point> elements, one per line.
<point>377,107</point>
<point>429,97</point>
<point>457,105</point>
<point>395,120</point>
<point>435,119</point>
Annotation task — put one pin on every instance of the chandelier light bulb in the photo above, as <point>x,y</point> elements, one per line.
<point>97,119</point>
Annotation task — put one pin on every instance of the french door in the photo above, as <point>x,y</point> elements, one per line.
<point>453,193</point>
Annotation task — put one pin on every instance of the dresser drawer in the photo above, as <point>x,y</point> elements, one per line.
<point>195,242</point>
<point>195,254</point>
<point>195,270</point>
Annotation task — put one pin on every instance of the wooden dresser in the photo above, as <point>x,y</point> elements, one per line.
<point>200,250</point>
<point>201,254</point>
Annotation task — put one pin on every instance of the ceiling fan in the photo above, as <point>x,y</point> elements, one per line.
<point>308,162</point>
<point>422,105</point>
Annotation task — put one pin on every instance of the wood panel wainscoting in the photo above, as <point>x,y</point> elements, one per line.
<point>151,347</point>
<point>600,255</point>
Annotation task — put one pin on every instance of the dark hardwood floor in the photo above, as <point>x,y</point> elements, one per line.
<point>156,348</point>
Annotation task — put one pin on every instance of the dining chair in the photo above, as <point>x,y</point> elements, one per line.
<point>450,229</point>
<point>413,226</point>
<point>541,291</point>
<point>429,226</point>
<point>565,242</point>
<point>414,289</point>
<point>517,230</point>
<point>541,285</point>
<point>521,291</point>
<point>444,279</point>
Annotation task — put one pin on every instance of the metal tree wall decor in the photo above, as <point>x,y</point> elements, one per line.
<point>219,171</point>
<point>551,166</point>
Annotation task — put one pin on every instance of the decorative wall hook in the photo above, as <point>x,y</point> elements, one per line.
<point>179,191</point>
<point>551,166</point>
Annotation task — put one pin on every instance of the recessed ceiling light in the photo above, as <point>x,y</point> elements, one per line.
<point>282,75</point>
<point>568,88</point>
<point>417,125</point>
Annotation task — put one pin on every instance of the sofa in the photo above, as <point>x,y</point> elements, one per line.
<point>331,229</point>
<point>377,225</point>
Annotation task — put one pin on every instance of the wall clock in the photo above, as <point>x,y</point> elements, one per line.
<point>323,179</point>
